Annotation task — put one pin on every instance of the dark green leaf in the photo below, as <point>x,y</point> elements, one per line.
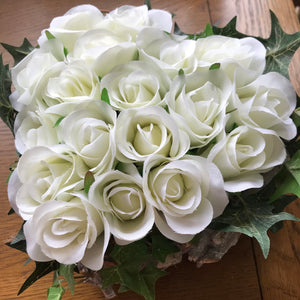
<point>104,96</point>
<point>180,72</point>
<point>21,245</point>
<point>208,31</point>
<point>7,113</point>
<point>88,181</point>
<point>148,3</point>
<point>123,288</point>
<point>110,276</point>
<point>55,292</point>
<point>252,218</point>
<point>177,30</point>
<point>11,211</point>
<point>229,30</point>
<point>162,247</point>
<point>18,53</point>
<point>19,237</point>
<point>41,269</point>
<point>215,66</point>
<point>67,272</point>
<point>66,52</point>
<point>280,48</point>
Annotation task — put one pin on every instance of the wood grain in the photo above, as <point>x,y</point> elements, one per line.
<point>243,273</point>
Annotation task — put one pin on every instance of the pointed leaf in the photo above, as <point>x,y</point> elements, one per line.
<point>110,276</point>
<point>148,3</point>
<point>41,269</point>
<point>18,53</point>
<point>19,237</point>
<point>67,272</point>
<point>229,30</point>
<point>280,48</point>
<point>104,96</point>
<point>55,292</point>
<point>88,181</point>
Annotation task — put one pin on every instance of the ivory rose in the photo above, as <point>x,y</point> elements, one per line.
<point>243,60</point>
<point>75,22</point>
<point>169,52</point>
<point>43,174</point>
<point>197,102</point>
<point>68,232</point>
<point>88,130</point>
<point>144,132</point>
<point>119,195</point>
<point>266,105</point>
<point>187,194</point>
<point>245,153</point>
<point>135,84</point>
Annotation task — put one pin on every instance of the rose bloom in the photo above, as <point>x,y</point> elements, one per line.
<point>135,84</point>
<point>103,49</point>
<point>266,105</point>
<point>243,60</point>
<point>88,130</point>
<point>243,154</point>
<point>75,22</point>
<point>170,52</point>
<point>186,193</point>
<point>197,102</point>
<point>43,174</point>
<point>143,132</point>
<point>119,195</point>
<point>27,73</point>
<point>68,232</point>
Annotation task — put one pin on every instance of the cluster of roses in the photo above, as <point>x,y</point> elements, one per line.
<point>182,122</point>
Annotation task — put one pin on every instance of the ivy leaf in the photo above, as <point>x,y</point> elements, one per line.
<point>67,272</point>
<point>55,292</point>
<point>41,269</point>
<point>7,113</point>
<point>18,53</point>
<point>208,31</point>
<point>229,30</point>
<point>251,217</point>
<point>280,48</point>
<point>110,276</point>
<point>162,247</point>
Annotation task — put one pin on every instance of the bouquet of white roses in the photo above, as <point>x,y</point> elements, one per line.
<point>133,138</point>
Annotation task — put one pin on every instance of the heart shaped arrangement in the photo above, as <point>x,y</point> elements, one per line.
<point>138,141</point>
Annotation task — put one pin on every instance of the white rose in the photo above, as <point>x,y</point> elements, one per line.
<point>42,174</point>
<point>242,59</point>
<point>198,104</point>
<point>67,83</point>
<point>76,21</point>
<point>89,131</point>
<point>34,128</point>
<point>187,194</point>
<point>68,232</point>
<point>169,51</point>
<point>245,153</point>
<point>143,132</point>
<point>26,74</point>
<point>119,195</point>
<point>266,104</point>
<point>131,19</point>
<point>135,84</point>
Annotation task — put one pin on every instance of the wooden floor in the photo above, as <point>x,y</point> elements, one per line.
<point>243,273</point>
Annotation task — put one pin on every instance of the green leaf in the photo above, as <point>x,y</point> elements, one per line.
<point>181,72</point>
<point>280,48</point>
<point>58,121</point>
<point>208,31</point>
<point>18,53</point>
<point>162,247</point>
<point>19,237</point>
<point>49,35</point>
<point>20,245</point>
<point>293,166</point>
<point>104,96</point>
<point>148,3</point>
<point>7,113</point>
<point>88,181</point>
<point>11,211</point>
<point>55,292</point>
<point>41,269</point>
<point>250,217</point>
<point>67,272</point>
<point>215,66</point>
<point>110,276</point>
<point>229,30</point>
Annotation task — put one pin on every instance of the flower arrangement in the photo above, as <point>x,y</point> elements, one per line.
<point>134,140</point>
